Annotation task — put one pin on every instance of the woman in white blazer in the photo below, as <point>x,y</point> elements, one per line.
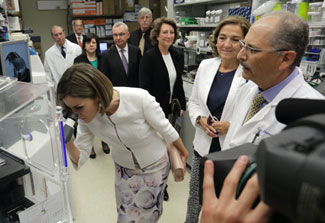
<point>128,120</point>
<point>216,84</point>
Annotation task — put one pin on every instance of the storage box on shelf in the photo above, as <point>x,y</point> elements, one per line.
<point>314,58</point>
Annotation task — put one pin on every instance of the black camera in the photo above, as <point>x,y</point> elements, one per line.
<point>290,168</point>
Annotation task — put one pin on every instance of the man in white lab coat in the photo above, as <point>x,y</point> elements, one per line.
<point>271,51</point>
<point>60,56</point>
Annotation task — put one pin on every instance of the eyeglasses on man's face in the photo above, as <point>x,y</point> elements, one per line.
<point>145,17</point>
<point>252,50</point>
<point>119,34</point>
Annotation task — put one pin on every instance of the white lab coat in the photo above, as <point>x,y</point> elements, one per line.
<point>197,104</point>
<point>264,123</point>
<point>55,64</point>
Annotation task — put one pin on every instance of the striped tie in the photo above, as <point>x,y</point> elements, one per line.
<point>124,61</point>
<point>255,107</point>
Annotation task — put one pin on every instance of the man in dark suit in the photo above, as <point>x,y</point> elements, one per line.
<point>141,37</point>
<point>77,37</point>
<point>120,63</point>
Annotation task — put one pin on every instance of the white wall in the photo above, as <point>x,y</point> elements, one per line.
<point>41,21</point>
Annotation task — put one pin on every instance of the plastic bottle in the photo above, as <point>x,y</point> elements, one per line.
<point>217,15</point>
<point>207,17</point>
<point>213,12</point>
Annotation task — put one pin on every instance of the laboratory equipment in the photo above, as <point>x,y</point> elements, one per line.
<point>31,132</point>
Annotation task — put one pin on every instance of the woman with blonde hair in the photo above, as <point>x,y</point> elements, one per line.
<point>216,83</point>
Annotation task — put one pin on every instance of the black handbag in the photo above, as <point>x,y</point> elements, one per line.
<point>175,119</point>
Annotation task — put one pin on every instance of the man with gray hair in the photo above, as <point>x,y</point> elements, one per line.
<point>60,56</point>
<point>120,63</point>
<point>270,54</point>
<point>141,37</point>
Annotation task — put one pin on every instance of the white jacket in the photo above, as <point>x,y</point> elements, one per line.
<point>197,104</point>
<point>264,123</point>
<point>55,64</point>
<point>136,123</point>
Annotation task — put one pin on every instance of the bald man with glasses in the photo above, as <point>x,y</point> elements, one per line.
<point>120,63</point>
<point>270,55</point>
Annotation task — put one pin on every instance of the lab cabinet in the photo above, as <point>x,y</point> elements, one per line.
<point>30,134</point>
<point>314,57</point>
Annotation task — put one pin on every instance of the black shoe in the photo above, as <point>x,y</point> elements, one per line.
<point>92,154</point>
<point>106,149</point>
<point>166,196</point>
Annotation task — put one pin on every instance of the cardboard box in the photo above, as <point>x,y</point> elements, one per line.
<point>112,7</point>
<point>90,12</point>
<point>109,21</point>
<point>99,8</point>
<point>99,22</point>
<point>91,4</point>
<point>117,20</point>
<point>89,26</point>
<point>132,26</point>
<point>78,11</point>
<point>108,26</point>
<point>144,3</point>
<point>108,32</point>
<point>128,5</point>
<point>77,5</point>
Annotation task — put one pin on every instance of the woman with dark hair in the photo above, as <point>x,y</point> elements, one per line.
<point>161,68</point>
<point>90,51</point>
<point>216,84</point>
<point>91,55</point>
<point>133,124</point>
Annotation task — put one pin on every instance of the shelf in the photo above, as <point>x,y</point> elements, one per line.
<point>197,26</point>
<point>97,16</point>
<point>312,53</point>
<point>316,26</point>
<point>311,62</point>
<point>317,45</point>
<point>317,36</point>
<point>196,50</point>
<point>197,2</point>
<point>106,37</point>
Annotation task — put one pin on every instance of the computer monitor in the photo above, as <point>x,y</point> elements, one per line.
<point>15,60</point>
<point>103,46</point>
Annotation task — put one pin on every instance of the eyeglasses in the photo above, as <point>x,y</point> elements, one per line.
<point>144,17</point>
<point>252,50</point>
<point>119,34</point>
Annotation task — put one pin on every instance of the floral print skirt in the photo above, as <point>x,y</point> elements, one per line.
<point>139,193</point>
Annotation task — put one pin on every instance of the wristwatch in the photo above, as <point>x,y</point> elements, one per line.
<point>198,121</point>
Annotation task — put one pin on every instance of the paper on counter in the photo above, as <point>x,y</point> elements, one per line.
<point>50,210</point>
